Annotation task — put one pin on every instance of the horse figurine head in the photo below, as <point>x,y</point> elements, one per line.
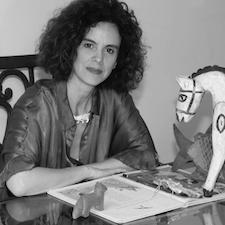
<point>189,98</point>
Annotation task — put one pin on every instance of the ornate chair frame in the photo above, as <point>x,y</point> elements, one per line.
<point>15,66</point>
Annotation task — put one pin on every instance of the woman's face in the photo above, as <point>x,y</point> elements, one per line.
<point>97,54</point>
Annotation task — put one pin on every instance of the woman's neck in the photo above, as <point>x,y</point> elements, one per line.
<point>80,97</point>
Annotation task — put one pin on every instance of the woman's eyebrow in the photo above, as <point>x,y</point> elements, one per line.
<point>113,46</point>
<point>87,39</point>
<point>109,45</point>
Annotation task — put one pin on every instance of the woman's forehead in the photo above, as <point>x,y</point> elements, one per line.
<point>104,32</point>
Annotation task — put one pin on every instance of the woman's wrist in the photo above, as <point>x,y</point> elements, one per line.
<point>85,172</point>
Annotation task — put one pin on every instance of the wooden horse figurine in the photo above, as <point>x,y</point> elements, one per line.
<point>210,79</point>
<point>88,200</point>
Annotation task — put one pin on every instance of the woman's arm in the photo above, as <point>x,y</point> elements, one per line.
<point>39,180</point>
<point>111,164</point>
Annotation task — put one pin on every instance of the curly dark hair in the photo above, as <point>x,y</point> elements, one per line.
<point>65,31</point>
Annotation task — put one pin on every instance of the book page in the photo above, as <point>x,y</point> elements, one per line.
<point>124,200</point>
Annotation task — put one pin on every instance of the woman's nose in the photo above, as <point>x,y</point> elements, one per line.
<point>98,56</point>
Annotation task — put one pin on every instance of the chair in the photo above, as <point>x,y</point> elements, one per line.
<point>15,66</point>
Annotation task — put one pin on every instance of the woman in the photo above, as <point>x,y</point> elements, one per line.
<point>83,124</point>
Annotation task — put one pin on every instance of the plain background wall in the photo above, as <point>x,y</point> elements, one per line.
<point>182,36</point>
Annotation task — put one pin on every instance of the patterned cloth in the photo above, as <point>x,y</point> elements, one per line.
<point>199,151</point>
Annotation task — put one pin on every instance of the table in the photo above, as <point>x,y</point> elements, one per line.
<point>46,210</point>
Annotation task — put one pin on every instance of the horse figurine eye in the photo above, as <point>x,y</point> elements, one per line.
<point>182,98</point>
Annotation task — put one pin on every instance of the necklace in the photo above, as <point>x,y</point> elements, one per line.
<point>83,118</point>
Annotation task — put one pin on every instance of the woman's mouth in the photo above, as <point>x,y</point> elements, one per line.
<point>94,70</point>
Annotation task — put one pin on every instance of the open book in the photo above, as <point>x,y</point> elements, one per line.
<point>141,194</point>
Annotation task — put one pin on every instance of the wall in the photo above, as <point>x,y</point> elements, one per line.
<point>182,36</point>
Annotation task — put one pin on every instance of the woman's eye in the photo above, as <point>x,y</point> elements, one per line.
<point>88,45</point>
<point>182,98</point>
<point>110,50</point>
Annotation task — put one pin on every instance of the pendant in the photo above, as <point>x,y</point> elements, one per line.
<point>84,118</point>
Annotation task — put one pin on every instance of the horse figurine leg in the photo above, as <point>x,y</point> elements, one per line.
<point>100,189</point>
<point>78,208</point>
<point>218,143</point>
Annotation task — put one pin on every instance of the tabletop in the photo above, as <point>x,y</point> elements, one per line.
<point>47,210</point>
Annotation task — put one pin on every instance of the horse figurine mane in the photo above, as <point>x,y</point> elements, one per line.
<point>206,70</point>
<point>89,200</point>
<point>209,79</point>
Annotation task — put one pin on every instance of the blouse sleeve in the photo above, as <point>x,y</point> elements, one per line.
<point>20,144</point>
<point>132,142</point>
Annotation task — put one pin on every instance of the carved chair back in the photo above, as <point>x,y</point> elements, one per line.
<point>19,67</point>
